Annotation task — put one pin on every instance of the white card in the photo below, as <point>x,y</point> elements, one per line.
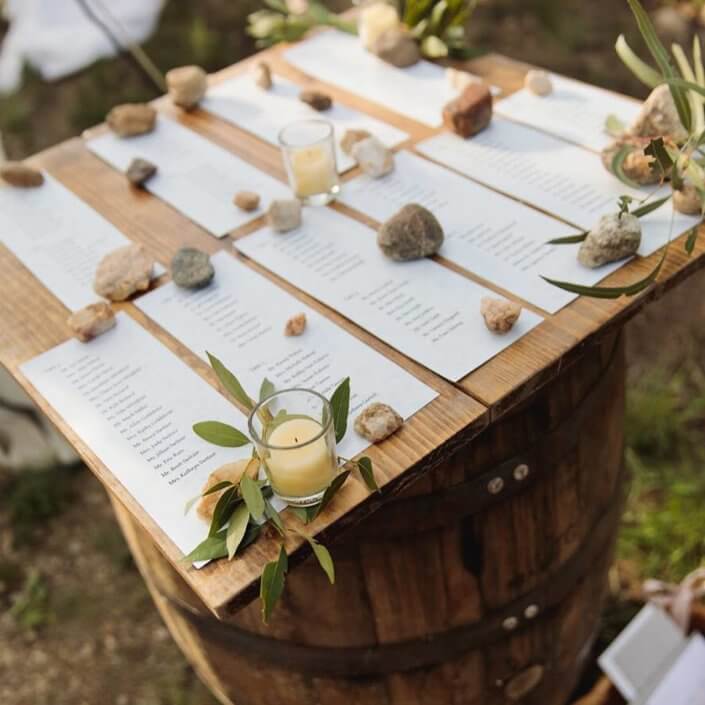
<point>684,682</point>
<point>133,403</point>
<point>419,92</point>
<point>195,176</point>
<point>241,102</point>
<point>575,111</point>
<point>560,178</point>
<point>641,651</point>
<point>421,308</point>
<point>491,235</point>
<point>240,319</point>
<point>59,238</point>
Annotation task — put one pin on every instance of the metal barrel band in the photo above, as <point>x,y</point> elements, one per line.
<point>423,652</point>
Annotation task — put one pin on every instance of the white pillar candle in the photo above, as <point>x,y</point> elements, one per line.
<point>314,171</point>
<point>375,20</point>
<point>303,471</point>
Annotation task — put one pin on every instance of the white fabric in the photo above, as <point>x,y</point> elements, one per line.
<point>56,38</point>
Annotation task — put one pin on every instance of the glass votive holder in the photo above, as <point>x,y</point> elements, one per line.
<point>295,438</point>
<point>308,148</point>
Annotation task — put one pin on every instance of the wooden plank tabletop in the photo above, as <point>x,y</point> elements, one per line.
<point>33,321</point>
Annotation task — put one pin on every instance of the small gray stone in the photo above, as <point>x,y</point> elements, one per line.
<point>377,422</point>
<point>396,47</point>
<point>373,157</point>
<point>659,117</point>
<point>615,237</point>
<point>412,233</point>
<point>140,171</point>
<point>191,268</point>
<point>284,214</point>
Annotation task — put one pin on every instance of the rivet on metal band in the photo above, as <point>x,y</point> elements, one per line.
<point>521,472</point>
<point>495,485</point>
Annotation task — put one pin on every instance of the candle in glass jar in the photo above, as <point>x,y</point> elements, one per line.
<point>314,170</point>
<point>299,471</point>
<point>375,20</point>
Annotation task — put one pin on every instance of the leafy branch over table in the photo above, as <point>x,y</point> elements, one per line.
<point>243,509</point>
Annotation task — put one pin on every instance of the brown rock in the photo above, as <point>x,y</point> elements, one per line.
<point>140,171</point>
<point>20,175</point>
<point>296,325</point>
<point>377,422</point>
<point>230,472</point>
<point>351,138</point>
<point>396,47</point>
<point>187,86</point>
<point>316,99</point>
<point>123,272</point>
<point>247,200</point>
<point>687,200</point>
<point>411,233</point>
<point>470,112</point>
<point>92,321</point>
<point>262,75</point>
<point>500,315</point>
<point>637,166</point>
<point>284,214</point>
<point>132,119</point>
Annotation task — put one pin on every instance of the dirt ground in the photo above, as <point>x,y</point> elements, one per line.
<point>77,626</point>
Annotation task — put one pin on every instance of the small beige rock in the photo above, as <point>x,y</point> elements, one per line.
<point>140,171</point>
<point>687,200</point>
<point>659,117</point>
<point>187,86</point>
<point>132,119</point>
<point>316,99</point>
<point>459,80</point>
<point>296,325</point>
<point>615,237</point>
<point>231,472</point>
<point>538,82</point>
<point>397,47</point>
<point>262,75</point>
<point>500,315</point>
<point>92,321</point>
<point>123,272</point>
<point>373,157</point>
<point>20,175</point>
<point>377,422</point>
<point>351,138</point>
<point>284,215</point>
<point>247,200</point>
<point>637,165</point>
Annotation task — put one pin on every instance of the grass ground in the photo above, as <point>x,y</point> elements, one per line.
<point>77,626</point>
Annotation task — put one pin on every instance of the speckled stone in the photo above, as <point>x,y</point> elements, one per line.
<point>140,171</point>
<point>191,268</point>
<point>615,237</point>
<point>284,214</point>
<point>296,325</point>
<point>377,422</point>
<point>123,272</point>
<point>500,315</point>
<point>373,157</point>
<point>91,321</point>
<point>412,233</point>
<point>659,117</point>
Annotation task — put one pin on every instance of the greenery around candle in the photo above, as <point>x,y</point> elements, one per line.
<point>244,509</point>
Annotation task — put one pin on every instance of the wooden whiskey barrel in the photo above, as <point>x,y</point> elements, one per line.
<point>482,584</point>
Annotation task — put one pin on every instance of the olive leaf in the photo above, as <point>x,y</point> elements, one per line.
<point>647,208</point>
<point>220,434</point>
<point>645,73</point>
<point>214,488</point>
<point>236,529</point>
<point>230,382</point>
<point>272,584</point>
<point>617,165</point>
<point>368,475</point>
<point>332,490</point>
<point>266,389</point>
<point>209,549</point>
<point>340,403</point>
<point>323,556</point>
<point>223,511</point>
<point>691,239</point>
<point>252,494</point>
<point>569,239</point>
<point>273,515</point>
<point>305,514</point>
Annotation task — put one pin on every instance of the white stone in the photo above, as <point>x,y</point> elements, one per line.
<point>538,82</point>
<point>373,156</point>
<point>615,237</point>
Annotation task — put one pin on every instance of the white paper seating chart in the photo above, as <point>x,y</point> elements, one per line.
<point>420,308</point>
<point>489,234</point>
<point>240,318</point>
<point>133,403</point>
<point>418,92</point>
<point>575,111</point>
<point>549,173</point>
<point>264,113</point>
<point>58,237</point>
<point>195,176</point>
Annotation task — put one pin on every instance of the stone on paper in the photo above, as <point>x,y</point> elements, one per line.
<point>351,138</point>
<point>262,75</point>
<point>615,237</point>
<point>187,85</point>
<point>230,472</point>
<point>637,165</point>
<point>500,315</point>
<point>470,112</point>
<point>284,214</point>
<point>20,175</point>
<point>687,200</point>
<point>92,321</point>
<point>411,233</point>
<point>538,82</point>
<point>123,272</point>
<point>247,200</point>
<point>397,47</point>
<point>374,20</point>
<point>377,422</point>
<point>132,119</point>
<point>140,171</point>
<point>191,268</point>
<point>296,325</point>
<point>659,117</point>
<point>373,157</point>
<point>316,99</point>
